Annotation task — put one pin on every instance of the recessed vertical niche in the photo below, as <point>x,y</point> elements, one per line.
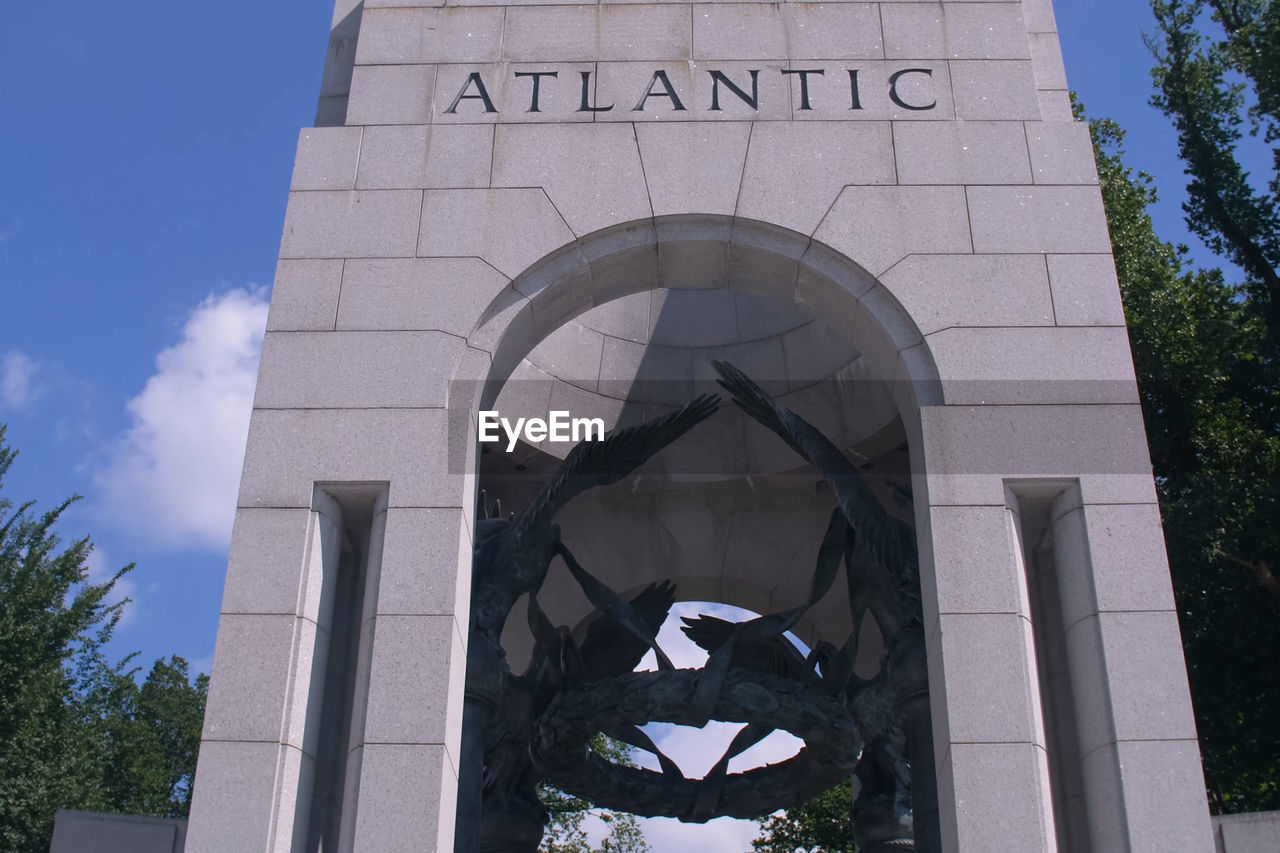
<point>344,556</point>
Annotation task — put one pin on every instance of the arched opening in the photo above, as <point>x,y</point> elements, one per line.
<point>624,326</point>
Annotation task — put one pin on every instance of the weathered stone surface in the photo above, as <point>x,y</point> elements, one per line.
<point>436,157</point>
<point>972,152</point>
<point>305,295</point>
<point>359,224</point>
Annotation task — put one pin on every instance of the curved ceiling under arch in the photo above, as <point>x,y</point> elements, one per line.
<point>624,325</point>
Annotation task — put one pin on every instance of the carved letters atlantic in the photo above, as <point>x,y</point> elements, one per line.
<point>719,88</point>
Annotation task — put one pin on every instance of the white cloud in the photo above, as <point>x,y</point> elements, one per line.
<point>722,835</point>
<point>16,372</point>
<point>172,477</point>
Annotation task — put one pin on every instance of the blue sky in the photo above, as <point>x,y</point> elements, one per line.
<point>146,154</point>
<point>146,159</point>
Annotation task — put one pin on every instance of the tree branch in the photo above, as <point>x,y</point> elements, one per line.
<point>1261,572</point>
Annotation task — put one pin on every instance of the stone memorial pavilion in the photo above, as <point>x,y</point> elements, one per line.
<point>884,216</point>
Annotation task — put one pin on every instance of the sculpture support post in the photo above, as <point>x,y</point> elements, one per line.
<point>924,789</point>
<point>471,776</point>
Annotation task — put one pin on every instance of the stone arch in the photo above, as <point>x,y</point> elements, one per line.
<point>706,251</point>
<point>792,272</point>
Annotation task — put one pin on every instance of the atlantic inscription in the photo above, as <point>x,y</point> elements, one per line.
<point>750,92</point>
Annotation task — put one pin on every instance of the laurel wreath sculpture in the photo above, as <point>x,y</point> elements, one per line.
<point>537,726</point>
<point>832,744</point>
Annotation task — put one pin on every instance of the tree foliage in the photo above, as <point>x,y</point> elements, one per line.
<point>819,826</point>
<point>151,733</point>
<point>1214,89</point>
<point>1211,401</point>
<point>565,832</point>
<point>76,731</point>
<point>1206,353</point>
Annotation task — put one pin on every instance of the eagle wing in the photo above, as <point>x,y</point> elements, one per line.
<point>892,541</point>
<point>599,463</point>
<point>608,649</point>
<point>775,655</point>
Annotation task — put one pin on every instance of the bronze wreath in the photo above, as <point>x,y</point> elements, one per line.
<point>832,739</point>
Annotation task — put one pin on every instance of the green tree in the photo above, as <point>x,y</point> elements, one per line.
<point>76,731</point>
<point>152,735</point>
<point>49,616</point>
<point>1211,401</point>
<point>819,826</point>
<point>1207,360</point>
<point>1213,88</point>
